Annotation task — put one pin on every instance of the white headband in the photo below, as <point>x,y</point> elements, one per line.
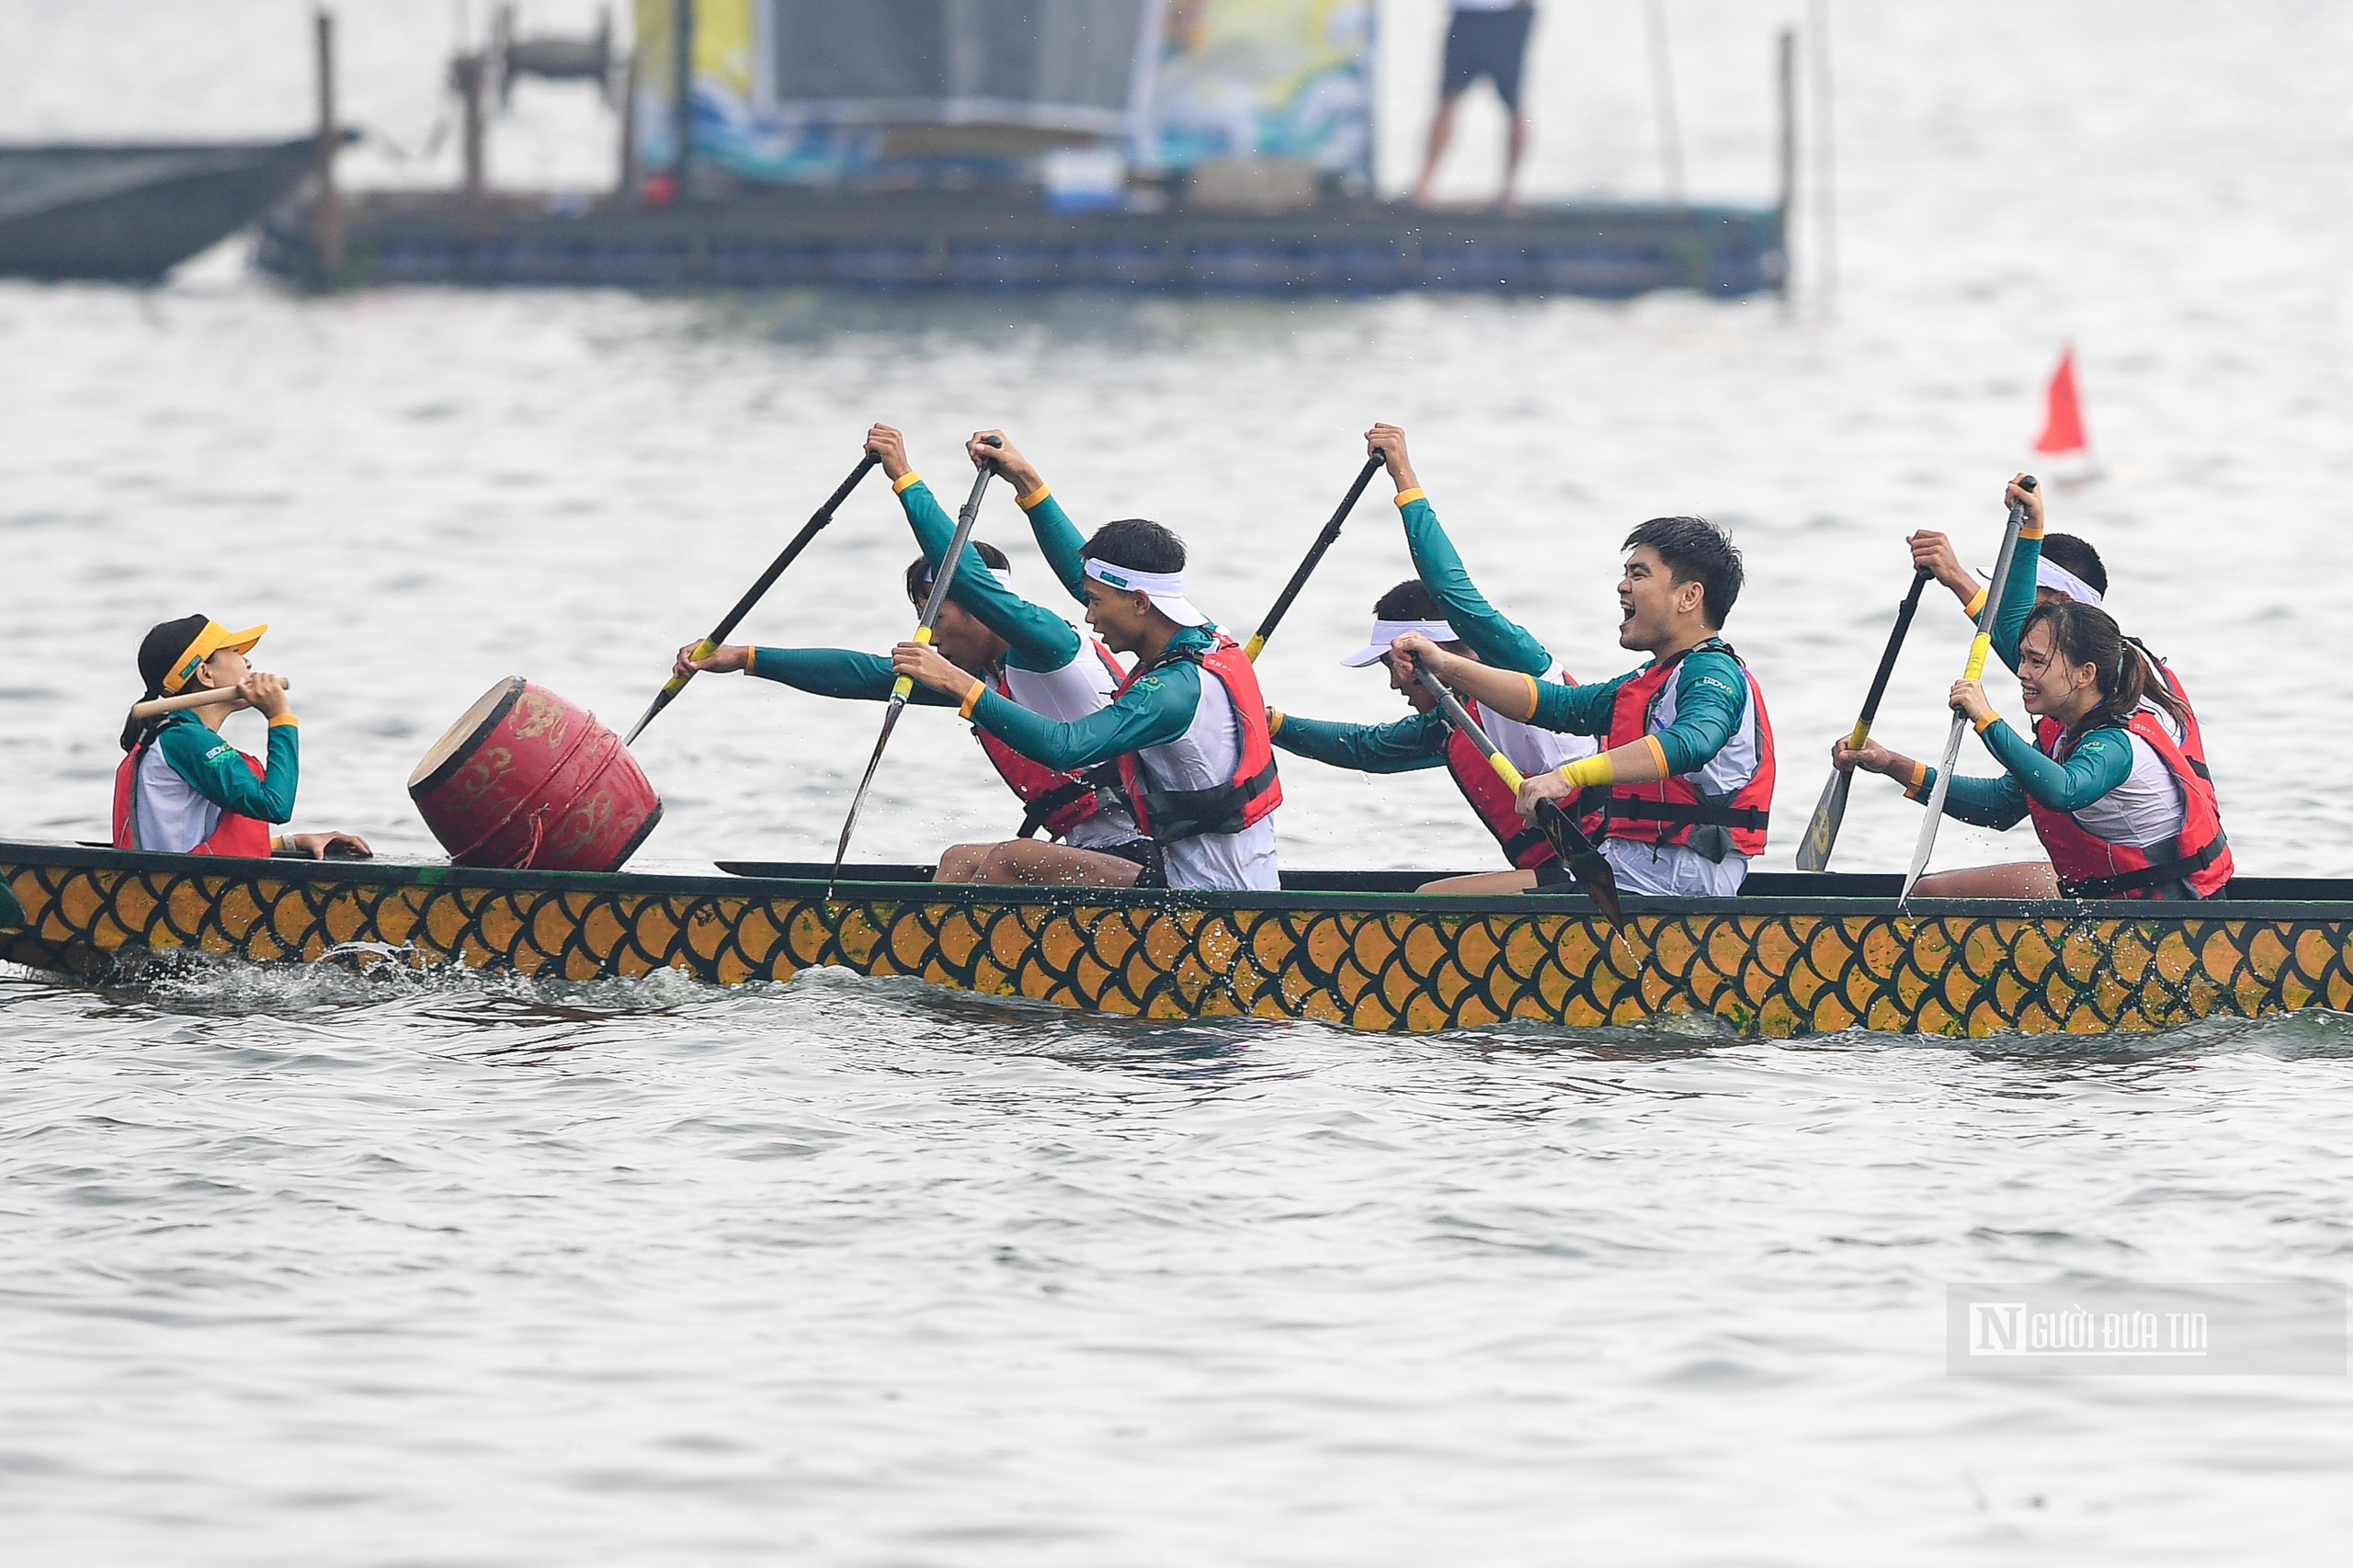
<point>1164,589</point>
<point>2059,580</point>
<point>1004,578</point>
<point>1384,632</point>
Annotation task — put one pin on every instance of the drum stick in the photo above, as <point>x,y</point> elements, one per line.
<point>185,700</point>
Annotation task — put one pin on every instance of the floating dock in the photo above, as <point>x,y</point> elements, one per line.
<point>995,240</point>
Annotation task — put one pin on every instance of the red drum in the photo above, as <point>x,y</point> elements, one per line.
<point>527,780</point>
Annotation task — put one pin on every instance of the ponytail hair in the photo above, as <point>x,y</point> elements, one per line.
<point>2081,634</point>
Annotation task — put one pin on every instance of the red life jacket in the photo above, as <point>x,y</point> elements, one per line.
<point>1242,801</point>
<point>1524,843</point>
<point>1672,811</point>
<point>2193,739</point>
<point>2090,867</point>
<point>242,838</point>
<point>1055,802</point>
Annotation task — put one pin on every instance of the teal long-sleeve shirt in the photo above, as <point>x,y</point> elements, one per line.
<point>2100,763</point>
<point>1157,709</point>
<point>1419,740</point>
<point>213,768</point>
<point>1035,639</point>
<point>1494,637</point>
<point>1402,745</point>
<point>1711,697</point>
<point>836,672</point>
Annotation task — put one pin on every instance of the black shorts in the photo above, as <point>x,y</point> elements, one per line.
<point>1491,44</point>
<point>1143,852</point>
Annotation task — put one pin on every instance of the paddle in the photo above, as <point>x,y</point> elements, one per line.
<point>1822,832</point>
<point>709,644</point>
<point>1978,646</point>
<point>157,707</point>
<point>1250,650</point>
<point>1594,876</point>
<point>904,687</point>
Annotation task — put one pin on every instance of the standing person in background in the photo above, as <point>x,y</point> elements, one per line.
<point>1484,37</point>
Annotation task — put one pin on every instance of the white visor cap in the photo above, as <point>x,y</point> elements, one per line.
<point>1384,632</point>
<point>1164,589</point>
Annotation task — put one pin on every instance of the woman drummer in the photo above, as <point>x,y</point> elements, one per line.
<point>2124,812</point>
<point>183,789</point>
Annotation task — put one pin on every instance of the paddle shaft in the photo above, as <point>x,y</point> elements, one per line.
<point>904,688</point>
<point>1821,830</point>
<point>1372,465</point>
<point>1978,646</point>
<point>1586,863</point>
<point>710,646</point>
<point>157,707</point>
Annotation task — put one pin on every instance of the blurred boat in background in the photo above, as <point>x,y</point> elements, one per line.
<point>133,211</point>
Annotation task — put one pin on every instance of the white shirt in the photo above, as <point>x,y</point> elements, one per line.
<point>1077,689</point>
<point>166,813</point>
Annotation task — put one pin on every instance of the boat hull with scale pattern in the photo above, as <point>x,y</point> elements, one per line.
<point>1795,955</point>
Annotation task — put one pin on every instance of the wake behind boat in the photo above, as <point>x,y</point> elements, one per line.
<point>1796,954</point>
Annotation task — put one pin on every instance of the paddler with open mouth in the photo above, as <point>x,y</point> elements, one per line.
<point>1187,729</point>
<point>2047,568</point>
<point>1679,801</point>
<point>1031,657</point>
<point>1441,603</point>
<point>180,788</point>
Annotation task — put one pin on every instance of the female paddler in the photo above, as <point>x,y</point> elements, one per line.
<point>2047,568</point>
<point>1187,729</point>
<point>1679,801</point>
<point>2117,804</point>
<point>1033,657</point>
<point>1443,604</point>
<point>182,790</point>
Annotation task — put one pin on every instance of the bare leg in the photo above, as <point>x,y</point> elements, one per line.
<point>1515,148</point>
<point>1441,132</point>
<point>1026,862</point>
<point>962,863</point>
<point>1483,882</point>
<point>2027,879</point>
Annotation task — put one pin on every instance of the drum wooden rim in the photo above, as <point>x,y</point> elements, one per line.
<point>452,750</point>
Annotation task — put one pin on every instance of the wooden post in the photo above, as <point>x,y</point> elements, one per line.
<point>466,76</point>
<point>326,216</point>
<point>1670,133</point>
<point>682,87</point>
<point>627,185</point>
<point>1786,95</point>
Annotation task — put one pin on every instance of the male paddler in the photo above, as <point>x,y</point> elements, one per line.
<point>2047,568</point>
<point>181,789</point>
<point>1442,604</point>
<point>1031,657</point>
<point>1187,729</point>
<point>1687,781</point>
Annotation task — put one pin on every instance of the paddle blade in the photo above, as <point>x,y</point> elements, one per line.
<point>661,701</point>
<point>1587,864</point>
<point>857,803</point>
<point>1928,843</point>
<point>1821,831</point>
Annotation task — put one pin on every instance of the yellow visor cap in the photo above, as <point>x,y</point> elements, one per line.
<point>208,642</point>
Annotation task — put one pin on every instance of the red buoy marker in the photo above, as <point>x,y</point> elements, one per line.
<point>2062,422</point>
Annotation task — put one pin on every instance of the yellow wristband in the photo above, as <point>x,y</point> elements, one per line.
<point>1919,777</point>
<point>905,482</point>
<point>751,660</point>
<point>971,698</point>
<point>1977,605</point>
<point>286,722</point>
<point>1407,497</point>
<point>1533,695</point>
<point>1274,720</point>
<point>1988,721</point>
<point>1586,771</point>
<point>1027,502</point>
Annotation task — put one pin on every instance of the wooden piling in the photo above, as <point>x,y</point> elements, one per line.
<point>682,87</point>
<point>327,233</point>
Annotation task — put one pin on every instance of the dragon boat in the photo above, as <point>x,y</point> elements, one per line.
<point>1794,954</point>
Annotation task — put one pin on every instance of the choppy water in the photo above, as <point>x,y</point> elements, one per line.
<point>315,1269</point>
